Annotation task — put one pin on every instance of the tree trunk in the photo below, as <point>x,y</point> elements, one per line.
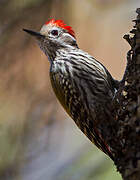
<point>126,142</point>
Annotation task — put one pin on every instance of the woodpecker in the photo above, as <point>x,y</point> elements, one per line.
<point>82,84</point>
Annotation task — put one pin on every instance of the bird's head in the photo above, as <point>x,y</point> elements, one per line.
<point>54,34</point>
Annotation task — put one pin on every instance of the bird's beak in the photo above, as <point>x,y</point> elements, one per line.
<point>33,33</point>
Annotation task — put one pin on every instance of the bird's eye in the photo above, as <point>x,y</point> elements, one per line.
<point>54,32</point>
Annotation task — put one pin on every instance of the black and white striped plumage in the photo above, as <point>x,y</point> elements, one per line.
<point>83,86</point>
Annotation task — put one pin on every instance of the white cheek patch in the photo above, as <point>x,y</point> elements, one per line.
<point>66,39</point>
<point>69,36</point>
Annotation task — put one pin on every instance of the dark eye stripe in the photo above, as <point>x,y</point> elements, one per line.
<point>54,32</point>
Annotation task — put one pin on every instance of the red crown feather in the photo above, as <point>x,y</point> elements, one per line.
<point>61,24</point>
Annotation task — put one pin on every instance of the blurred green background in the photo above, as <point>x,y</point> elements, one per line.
<point>38,141</point>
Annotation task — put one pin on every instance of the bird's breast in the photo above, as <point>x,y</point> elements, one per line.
<point>67,95</point>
